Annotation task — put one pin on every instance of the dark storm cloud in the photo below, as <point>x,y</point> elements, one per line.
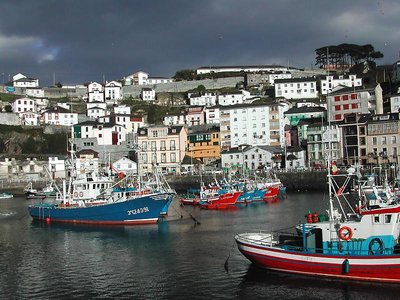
<point>82,40</point>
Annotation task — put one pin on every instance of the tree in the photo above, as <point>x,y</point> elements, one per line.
<point>344,55</point>
<point>201,88</point>
<point>187,74</point>
<point>8,108</point>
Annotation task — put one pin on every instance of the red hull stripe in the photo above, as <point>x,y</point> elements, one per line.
<point>128,222</point>
<point>381,211</point>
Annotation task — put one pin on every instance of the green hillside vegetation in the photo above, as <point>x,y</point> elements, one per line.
<point>16,141</point>
<point>9,97</point>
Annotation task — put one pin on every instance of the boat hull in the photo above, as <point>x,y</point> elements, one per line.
<point>223,201</point>
<point>381,268</point>
<point>141,210</point>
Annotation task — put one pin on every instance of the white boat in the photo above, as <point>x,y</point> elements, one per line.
<point>6,195</point>
<point>360,245</point>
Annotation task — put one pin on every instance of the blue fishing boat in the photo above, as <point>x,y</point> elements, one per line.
<point>135,199</point>
<point>143,209</point>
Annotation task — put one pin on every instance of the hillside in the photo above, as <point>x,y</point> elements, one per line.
<point>16,141</point>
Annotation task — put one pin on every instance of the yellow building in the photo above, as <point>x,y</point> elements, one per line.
<point>205,145</point>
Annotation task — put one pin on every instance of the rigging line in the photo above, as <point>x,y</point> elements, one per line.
<point>227,259</point>
<point>190,215</point>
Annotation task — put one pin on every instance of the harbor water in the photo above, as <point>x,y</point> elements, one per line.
<point>190,254</point>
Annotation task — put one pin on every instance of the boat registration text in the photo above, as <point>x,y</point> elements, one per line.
<point>138,211</point>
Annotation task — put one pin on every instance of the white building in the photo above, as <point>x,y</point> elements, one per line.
<point>95,92</point>
<point>202,99</point>
<point>359,100</point>
<point>195,116</point>
<point>148,94</point>
<point>139,78</point>
<point>120,119</point>
<point>159,80</point>
<point>244,124</point>
<point>29,118</point>
<point>113,91</point>
<point>246,69</point>
<point>125,165</point>
<point>56,167</point>
<point>296,88</point>
<point>212,115</point>
<point>170,120</point>
<point>394,103</point>
<point>164,146</point>
<point>135,123</point>
<point>22,81</point>
<point>122,109</point>
<point>24,104</point>
<point>251,158</point>
<point>332,81</point>
<point>266,78</point>
<point>96,109</point>
<point>59,116</point>
<point>105,134</point>
<point>234,98</point>
<point>35,92</point>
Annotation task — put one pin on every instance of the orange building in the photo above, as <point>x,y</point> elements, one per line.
<point>204,145</point>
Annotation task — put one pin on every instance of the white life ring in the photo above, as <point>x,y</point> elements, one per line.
<point>76,195</point>
<point>80,194</point>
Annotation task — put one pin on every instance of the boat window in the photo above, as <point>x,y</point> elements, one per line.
<point>376,219</point>
<point>388,218</point>
<point>398,218</point>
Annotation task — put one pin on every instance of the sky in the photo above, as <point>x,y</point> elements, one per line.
<point>79,41</point>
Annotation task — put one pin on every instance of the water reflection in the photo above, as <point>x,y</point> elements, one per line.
<point>293,286</point>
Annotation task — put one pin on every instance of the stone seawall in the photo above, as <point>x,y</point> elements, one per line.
<point>297,181</point>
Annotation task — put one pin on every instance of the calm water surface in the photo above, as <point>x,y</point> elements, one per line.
<point>175,259</point>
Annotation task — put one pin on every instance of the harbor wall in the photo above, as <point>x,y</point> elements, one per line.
<point>296,181</point>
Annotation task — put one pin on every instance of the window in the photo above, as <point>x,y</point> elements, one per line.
<point>345,106</point>
<point>384,140</point>
<point>337,107</point>
<point>338,117</point>
<point>376,219</point>
<point>337,98</point>
<point>163,157</point>
<point>394,141</point>
<point>353,96</point>
<point>388,218</point>
<point>153,145</point>
<point>173,157</point>
<point>354,105</point>
<point>345,97</point>
<point>172,145</point>
<point>374,141</point>
<point>163,147</point>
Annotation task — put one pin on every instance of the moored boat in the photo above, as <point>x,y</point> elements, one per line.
<point>271,193</point>
<point>6,195</point>
<point>223,201</point>
<point>358,246</point>
<point>130,201</point>
<point>48,191</point>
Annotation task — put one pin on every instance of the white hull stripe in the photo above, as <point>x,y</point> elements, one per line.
<point>304,257</point>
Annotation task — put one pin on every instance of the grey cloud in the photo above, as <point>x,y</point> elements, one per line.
<point>81,40</point>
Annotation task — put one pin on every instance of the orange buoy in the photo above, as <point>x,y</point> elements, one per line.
<point>315,218</point>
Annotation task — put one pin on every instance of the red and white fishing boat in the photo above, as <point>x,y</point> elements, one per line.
<point>361,245</point>
<point>271,194</point>
<point>223,201</point>
<point>190,200</point>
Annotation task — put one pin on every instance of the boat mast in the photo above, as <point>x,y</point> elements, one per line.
<point>331,218</point>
